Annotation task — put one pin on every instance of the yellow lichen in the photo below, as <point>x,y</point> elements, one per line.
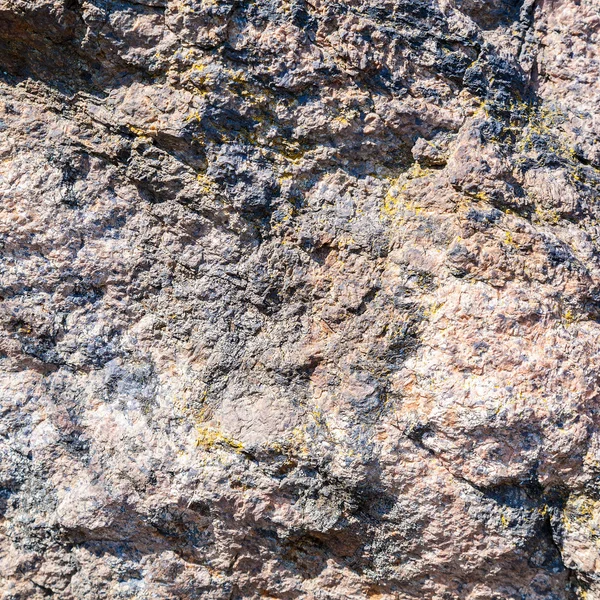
<point>390,203</point>
<point>209,437</point>
<point>293,444</point>
<point>583,513</point>
<point>137,131</point>
<point>207,185</point>
<point>509,240</point>
<point>548,216</point>
<point>417,171</point>
<point>568,317</point>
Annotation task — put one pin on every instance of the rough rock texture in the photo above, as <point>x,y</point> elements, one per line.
<point>300,299</point>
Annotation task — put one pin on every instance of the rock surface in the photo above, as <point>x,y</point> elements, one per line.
<point>299,299</point>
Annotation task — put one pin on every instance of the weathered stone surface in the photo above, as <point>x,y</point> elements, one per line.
<point>299,299</point>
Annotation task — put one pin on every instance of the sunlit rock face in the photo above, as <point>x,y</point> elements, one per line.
<point>299,299</point>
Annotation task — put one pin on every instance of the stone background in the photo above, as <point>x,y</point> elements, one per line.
<point>299,299</point>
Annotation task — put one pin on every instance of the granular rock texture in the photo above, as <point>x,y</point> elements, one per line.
<point>300,299</point>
